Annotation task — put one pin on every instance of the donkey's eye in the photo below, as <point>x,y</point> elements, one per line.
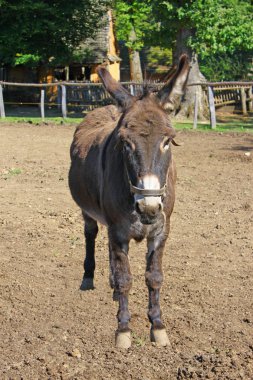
<point>165,144</point>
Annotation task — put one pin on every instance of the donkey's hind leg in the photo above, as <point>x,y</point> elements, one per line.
<point>90,233</point>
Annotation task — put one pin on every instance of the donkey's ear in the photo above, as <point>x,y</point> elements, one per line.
<point>123,98</point>
<point>170,94</point>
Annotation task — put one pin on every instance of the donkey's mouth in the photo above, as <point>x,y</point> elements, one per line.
<point>146,219</point>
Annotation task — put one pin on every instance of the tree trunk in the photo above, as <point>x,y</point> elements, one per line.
<point>135,66</point>
<point>134,60</point>
<point>187,106</point>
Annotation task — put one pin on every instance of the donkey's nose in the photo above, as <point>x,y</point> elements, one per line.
<point>149,206</point>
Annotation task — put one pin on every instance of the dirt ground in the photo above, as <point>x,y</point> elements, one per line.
<point>52,330</point>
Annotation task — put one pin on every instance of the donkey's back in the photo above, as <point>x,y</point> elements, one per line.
<point>86,158</point>
<point>91,132</point>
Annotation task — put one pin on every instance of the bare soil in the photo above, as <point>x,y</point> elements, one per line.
<point>52,330</point>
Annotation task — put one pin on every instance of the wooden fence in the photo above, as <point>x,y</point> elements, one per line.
<point>93,95</point>
<point>225,93</point>
<point>86,95</point>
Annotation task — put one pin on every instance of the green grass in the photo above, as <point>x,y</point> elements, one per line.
<point>38,120</point>
<point>8,173</point>
<point>231,126</point>
<point>15,171</point>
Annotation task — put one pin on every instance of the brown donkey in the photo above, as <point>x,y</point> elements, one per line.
<point>122,175</point>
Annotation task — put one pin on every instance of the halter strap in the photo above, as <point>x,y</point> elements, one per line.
<point>145,192</point>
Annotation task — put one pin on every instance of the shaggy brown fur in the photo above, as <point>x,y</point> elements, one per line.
<point>116,149</point>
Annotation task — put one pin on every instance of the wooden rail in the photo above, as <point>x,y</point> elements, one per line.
<point>225,93</point>
<point>219,94</point>
<point>71,93</point>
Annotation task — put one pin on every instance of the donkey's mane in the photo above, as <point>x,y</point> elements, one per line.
<point>146,90</point>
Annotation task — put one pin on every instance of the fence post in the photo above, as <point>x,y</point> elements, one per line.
<point>196,105</point>
<point>251,99</point>
<point>2,110</point>
<point>42,103</point>
<point>131,89</point>
<point>243,100</point>
<point>63,101</point>
<point>211,107</point>
<point>58,96</point>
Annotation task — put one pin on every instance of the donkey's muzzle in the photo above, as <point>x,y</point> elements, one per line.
<point>149,209</point>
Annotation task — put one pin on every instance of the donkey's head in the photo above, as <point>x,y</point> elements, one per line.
<point>145,135</point>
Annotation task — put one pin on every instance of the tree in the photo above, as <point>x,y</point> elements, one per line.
<point>202,28</point>
<point>44,32</point>
<point>132,24</point>
<point>227,66</point>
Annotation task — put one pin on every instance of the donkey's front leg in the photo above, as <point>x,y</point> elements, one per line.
<point>154,279</point>
<point>122,282</point>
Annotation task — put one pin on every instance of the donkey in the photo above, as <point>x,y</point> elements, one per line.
<point>122,175</point>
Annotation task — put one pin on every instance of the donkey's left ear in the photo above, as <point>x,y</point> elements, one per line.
<point>122,97</point>
<point>171,93</point>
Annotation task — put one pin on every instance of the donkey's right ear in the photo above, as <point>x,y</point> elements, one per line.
<point>123,98</point>
<point>170,94</point>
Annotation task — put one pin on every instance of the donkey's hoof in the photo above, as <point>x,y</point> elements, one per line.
<point>160,337</point>
<point>123,339</point>
<point>87,284</point>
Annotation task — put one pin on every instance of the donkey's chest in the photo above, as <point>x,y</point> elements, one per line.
<point>139,231</point>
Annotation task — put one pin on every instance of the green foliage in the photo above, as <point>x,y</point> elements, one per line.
<point>222,26</point>
<point>219,31</point>
<point>46,30</point>
<point>158,57</point>
<point>26,59</point>
<point>133,22</point>
<point>225,67</point>
<point>217,26</point>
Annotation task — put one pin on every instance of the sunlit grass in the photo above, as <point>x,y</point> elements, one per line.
<point>231,126</point>
<point>220,127</point>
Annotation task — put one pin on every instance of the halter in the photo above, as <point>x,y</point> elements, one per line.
<point>145,192</point>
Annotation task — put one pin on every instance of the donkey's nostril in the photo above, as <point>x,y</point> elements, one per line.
<point>156,210</point>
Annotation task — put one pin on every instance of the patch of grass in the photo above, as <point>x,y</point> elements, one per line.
<point>228,126</point>
<point>8,173</point>
<point>73,241</point>
<point>14,171</point>
<point>221,127</point>
<point>39,121</point>
<point>138,340</point>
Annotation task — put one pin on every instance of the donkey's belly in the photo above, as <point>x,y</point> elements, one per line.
<point>99,217</point>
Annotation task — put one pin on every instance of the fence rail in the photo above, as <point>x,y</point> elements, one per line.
<point>91,95</point>
<point>225,93</point>
<point>70,94</point>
